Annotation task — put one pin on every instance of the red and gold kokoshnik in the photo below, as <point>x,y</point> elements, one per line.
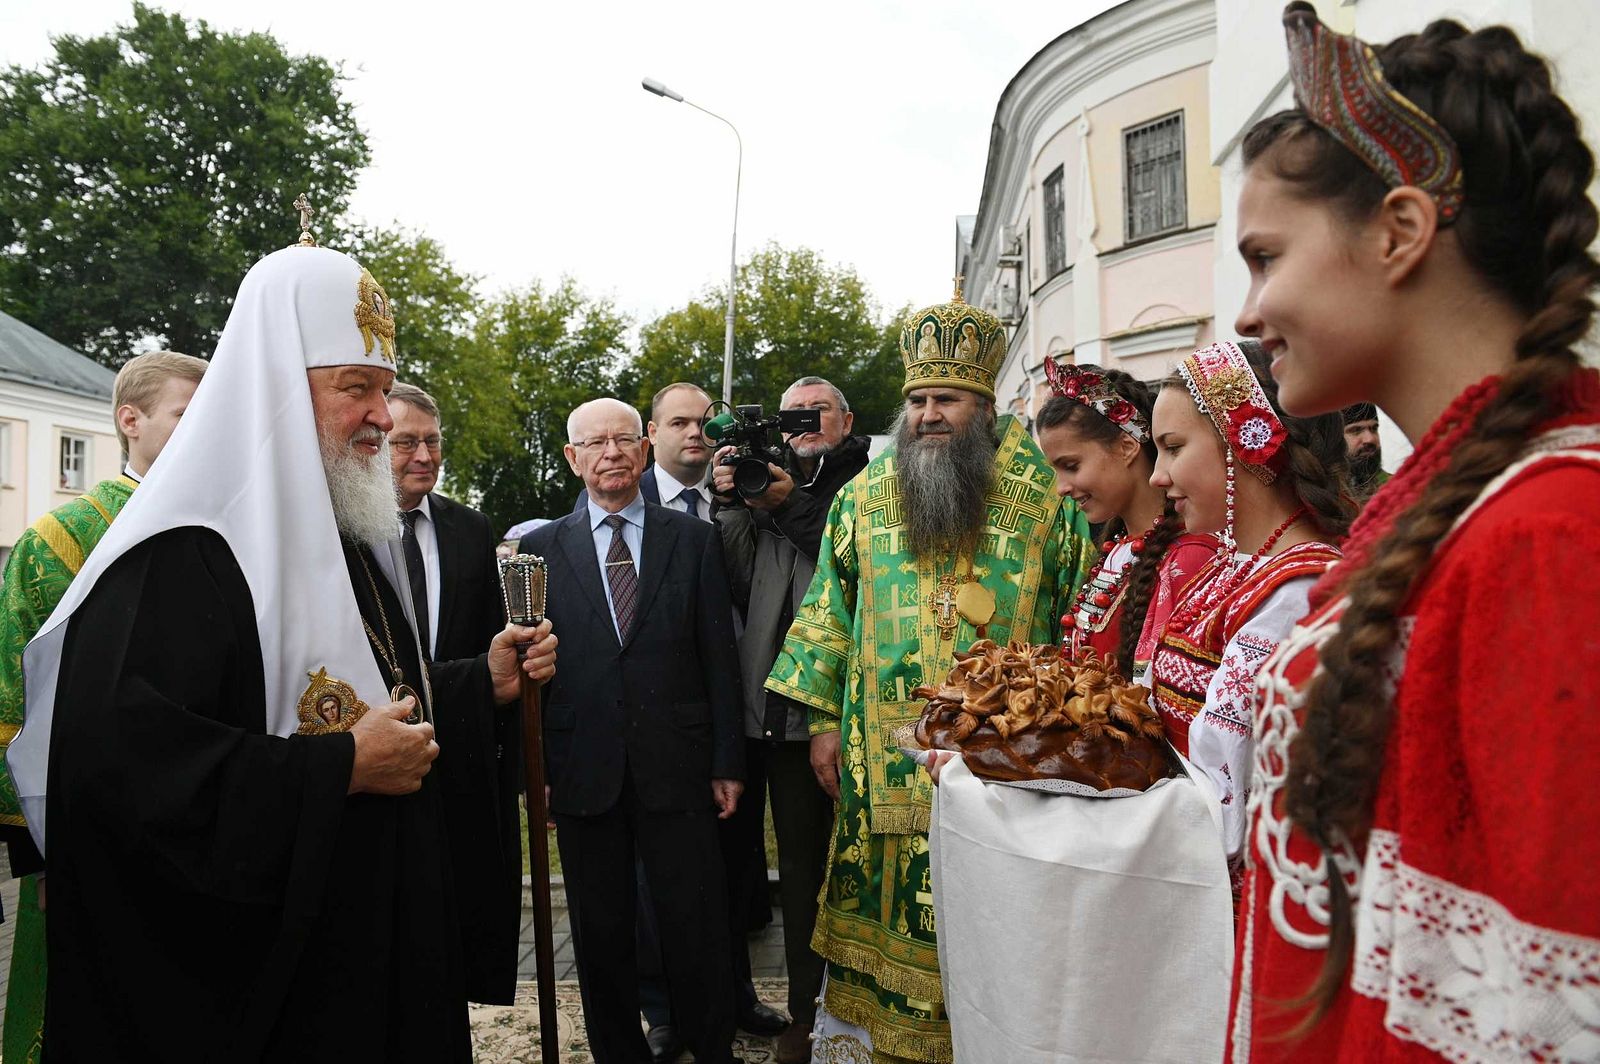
<point>1226,390</point>
<point>1339,84</point>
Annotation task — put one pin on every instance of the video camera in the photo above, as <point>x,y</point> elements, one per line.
<point>756,442</point>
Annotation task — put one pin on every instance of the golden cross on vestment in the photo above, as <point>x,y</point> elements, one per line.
<point>302,203</point>
<point>944,606</point>
<point>959,278</point>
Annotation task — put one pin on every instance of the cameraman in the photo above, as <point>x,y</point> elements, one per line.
<point>770,545</point>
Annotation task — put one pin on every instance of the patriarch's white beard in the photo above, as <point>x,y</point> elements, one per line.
<point>365,506</point>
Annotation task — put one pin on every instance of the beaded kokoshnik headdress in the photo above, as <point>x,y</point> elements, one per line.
<point>1225,388</point>
<point>1088,385</point>
<point>1339,84</point>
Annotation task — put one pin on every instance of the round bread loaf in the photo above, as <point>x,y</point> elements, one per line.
<point>1025,713</point>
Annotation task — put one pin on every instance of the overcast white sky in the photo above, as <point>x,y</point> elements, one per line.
<point>517,133</point>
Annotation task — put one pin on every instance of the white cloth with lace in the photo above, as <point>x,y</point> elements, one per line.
<point>1081,929</point>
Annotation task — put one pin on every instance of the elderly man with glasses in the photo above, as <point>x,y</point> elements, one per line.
<point>642,739</point>
<point>455,591</point>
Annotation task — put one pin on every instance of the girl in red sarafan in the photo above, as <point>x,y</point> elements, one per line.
<point>1418,234</point>
<point>1274,490</point>
<point>1095,429</point>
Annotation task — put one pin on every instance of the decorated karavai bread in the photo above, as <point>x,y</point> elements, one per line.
<point>1027,713</point>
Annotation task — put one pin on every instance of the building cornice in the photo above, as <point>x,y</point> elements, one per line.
<point>1069,67</point>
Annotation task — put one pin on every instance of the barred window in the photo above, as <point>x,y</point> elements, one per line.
<point>1055,226</point>
<point>1153,177</point>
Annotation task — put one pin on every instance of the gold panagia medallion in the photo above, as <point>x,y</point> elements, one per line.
<point>975,603</point>
<point>329,705</point>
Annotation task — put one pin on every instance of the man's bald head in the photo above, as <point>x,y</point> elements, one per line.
<point>596,407</point>
<point>606,447</point>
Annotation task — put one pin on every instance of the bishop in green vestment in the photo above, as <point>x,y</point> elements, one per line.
<point>954,533</point>
<point>149,396</point>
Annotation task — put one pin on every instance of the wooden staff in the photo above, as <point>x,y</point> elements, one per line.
<point>522,583</point>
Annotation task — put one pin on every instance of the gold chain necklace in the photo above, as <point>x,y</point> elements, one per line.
<point>387,649</point>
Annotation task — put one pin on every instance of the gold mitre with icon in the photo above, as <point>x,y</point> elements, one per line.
<point>952,345</point>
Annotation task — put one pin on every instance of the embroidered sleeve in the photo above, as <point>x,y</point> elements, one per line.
<point>35,580</point>
<point>1220,738</point>
<point>811,668</point>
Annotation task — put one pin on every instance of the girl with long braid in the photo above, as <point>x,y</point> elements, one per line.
<point>1273,489</point>
<point>1420,882</point>
<point>1095,429</point>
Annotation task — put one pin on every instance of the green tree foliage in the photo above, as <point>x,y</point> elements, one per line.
<point>796,315</point>
<point>145,172</point>
<point>553,349</point>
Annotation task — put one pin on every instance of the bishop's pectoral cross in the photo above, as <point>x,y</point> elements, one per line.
<point>944,607</point>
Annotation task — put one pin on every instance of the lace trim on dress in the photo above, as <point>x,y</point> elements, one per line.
<point>1295,882</point>
<point>1462,976</point>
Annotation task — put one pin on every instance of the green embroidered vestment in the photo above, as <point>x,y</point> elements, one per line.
<point>42,565</point>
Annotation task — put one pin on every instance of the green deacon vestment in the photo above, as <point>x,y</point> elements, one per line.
<point>864,638</point>
<point>42,564</point>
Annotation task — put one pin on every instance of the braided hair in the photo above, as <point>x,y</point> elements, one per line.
<point>1526,227</point>
<point>1094,426</point>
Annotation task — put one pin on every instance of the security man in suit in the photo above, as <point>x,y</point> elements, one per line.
<point>642,739</point>
<point>456,593</point>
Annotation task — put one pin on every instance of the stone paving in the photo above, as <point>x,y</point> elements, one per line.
<point>766,945</point>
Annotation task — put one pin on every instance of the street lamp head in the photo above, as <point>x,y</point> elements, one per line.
<point>652,85</point>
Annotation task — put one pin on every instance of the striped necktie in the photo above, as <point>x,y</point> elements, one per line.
<point>623,578</point>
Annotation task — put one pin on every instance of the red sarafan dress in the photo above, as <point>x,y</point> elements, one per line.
<point>1096,620</point>
<point>1477,912</point>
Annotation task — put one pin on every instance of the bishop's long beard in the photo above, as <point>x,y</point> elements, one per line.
<point>361,490</point>
<point>944,486</point>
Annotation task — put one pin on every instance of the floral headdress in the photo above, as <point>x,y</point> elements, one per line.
<point>1089,386</point>
<point>1339,84</point>
<point>1226,390</point>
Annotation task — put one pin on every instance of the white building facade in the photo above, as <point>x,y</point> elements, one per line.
<point>1094,234</point>
<point>56,434</point>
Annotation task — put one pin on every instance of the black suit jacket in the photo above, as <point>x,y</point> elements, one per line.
<point>664,704</point>
<point>480,766</point>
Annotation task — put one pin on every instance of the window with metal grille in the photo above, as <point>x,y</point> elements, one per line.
<point>1055,224</point>
<point>1153,177</point>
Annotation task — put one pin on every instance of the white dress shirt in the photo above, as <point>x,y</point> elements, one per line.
<point>671,489</point>
<point>428,544</point>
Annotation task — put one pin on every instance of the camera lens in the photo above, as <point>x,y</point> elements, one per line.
<point>751,477</point>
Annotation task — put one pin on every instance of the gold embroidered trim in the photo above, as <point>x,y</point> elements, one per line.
<point>8,732</point>
<point>98,505</point>
<point>857,1005</point>
<point>886,972</point>
<point>60,542</point>
<point>12,820</point>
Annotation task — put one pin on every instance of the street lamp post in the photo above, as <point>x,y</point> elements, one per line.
<point>652,85</point>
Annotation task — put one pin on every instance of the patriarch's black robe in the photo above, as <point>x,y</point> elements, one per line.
<point>214,893</point>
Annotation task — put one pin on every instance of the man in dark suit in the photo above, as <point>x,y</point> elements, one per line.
<point>642,739</point>
<point>455,591</point>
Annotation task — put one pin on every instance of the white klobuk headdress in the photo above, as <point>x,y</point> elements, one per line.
<point>245,462</point>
